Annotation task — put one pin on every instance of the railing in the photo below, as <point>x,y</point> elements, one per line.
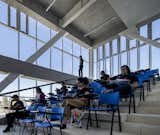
<point>26,89</point>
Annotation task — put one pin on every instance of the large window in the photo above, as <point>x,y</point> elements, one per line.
<point>115,65</point>
<point>67,45</point>
<point>144,57</point>
<point>156,29</point>
<point>133,59</point>
<point>9,44</point>
<point>122,43</point>
<point>13,17</point>
<point>56,59</point>
<point>100,52</point>
<point>75,66</point>
<point>3,12</point>
<point>108,66</point>
<point>86,69</point>
<point>85,53</point>
<point>107,50</point>
<point>76,49</point>
<point>43,32</point>
<point>124,58</point>
<point>67,63</point>
<point>32,26</point>
<point>155,57</point>
<point>144,32</point>
<point>27,46</point>
<point>132,43</point>
<point>114,46</point>
<point>23,22</point>
<point>44,59</point>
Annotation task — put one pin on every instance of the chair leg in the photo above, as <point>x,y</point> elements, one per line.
<point>88,119</point>
<point>112,122</point>
<point>140,93</point>
<point>134,105</point>
<point>96,119</point>
<point>143,93</point>
<point>130,100</point>
<point>60,131</point>
<point>23,129</point>
<point>119,120</point>
<point>43,131</point>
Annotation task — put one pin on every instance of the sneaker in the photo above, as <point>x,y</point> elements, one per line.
<point>6,130</point>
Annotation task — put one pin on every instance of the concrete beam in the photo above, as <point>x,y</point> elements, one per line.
<point>50,5</point>
<point>16,67</point>
<point>76,11</point>
<point>133,34</point>
<point>12,76</point>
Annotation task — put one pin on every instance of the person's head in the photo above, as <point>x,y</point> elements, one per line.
<point>80,57</point>
<point>105,77</point>
<point>15,97</point>
<point>102,73</point>
<point>83,82</point>
<point>38,90</point>
<point>125,70</point>
<point>63,83</point>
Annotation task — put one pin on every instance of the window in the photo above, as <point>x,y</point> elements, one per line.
<point>133,59</point>
<point>143,32</point>
<point>124,58</point>
<point>43,32</point>
<point>95,55</point>
<point>75,66</point>
<point>3,12</point>
<point>85,53</point>
<point>67,63</point>
<point>155,29</point>
<point>144,57</point>
<point>115,65</point>
<point>27,46</point>
<point>155,55</point>
<point>108,66</point>
<point>122,43</point>
<point>95,70</point>
<point>67,45</point>
<point>86,69</point>
<point>23,22</point>
<point>107,50</point>
<point>13,17</point>
<point>45,89</point>
<point>101,67</point>
<point>44,59</point>
<point>26,83</point>
<point>114,46</point>
<point>31,26</point>
<point>100,52</point>
<point>76,49</point>
<point>58,44</point>
<point>56,59</point>
<point>132,43</point>
<point>11,87</point>
<point>9,44</point>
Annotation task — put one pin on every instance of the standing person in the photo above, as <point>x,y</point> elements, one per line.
<point>16,105</point>
<point>81,66</point>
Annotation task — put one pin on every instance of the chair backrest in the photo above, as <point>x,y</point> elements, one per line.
<point>97,87</point>
<point>109,99</point>
<point>58,113</point>
<point>42,110</point>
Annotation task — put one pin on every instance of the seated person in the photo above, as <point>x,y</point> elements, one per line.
<point>78,100</point>
<point>40,96</point>
<point>102,73</point>
<point>18,106</point>
<point>63,90</point>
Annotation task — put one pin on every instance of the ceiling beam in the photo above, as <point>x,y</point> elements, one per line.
<point>50,5</point>
<point>76,11</point>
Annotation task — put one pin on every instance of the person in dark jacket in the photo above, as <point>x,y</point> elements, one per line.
<point>17,107</point>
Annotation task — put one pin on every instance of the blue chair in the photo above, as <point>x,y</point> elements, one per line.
<point>97,87</point>
<point>56,114</point>
<point>30,119</point>
<point>141,86</point>
<point>111,99</point>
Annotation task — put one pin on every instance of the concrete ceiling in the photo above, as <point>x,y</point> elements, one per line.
<point>101,20</point>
